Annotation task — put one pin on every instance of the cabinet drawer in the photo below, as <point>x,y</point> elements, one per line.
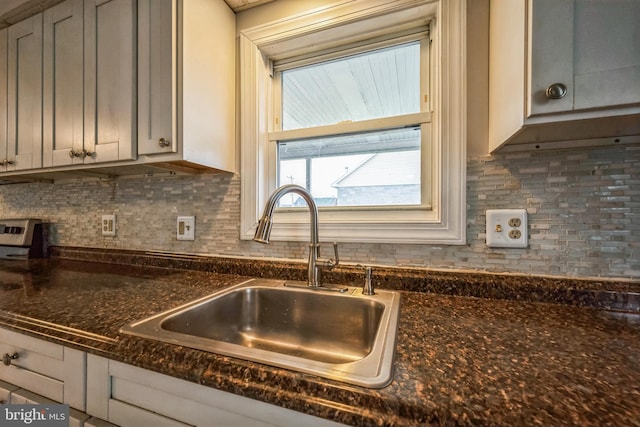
<point>48,369</point>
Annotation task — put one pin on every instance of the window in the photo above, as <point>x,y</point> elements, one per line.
<point>356,103</point>
<point>379,165</point>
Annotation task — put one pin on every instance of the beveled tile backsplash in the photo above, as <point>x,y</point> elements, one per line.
<point>583,208</point>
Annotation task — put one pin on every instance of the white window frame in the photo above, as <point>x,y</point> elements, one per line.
<point>444,221</point>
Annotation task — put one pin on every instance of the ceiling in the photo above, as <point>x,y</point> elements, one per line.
<point>12,11</point>
<point>239,5</point>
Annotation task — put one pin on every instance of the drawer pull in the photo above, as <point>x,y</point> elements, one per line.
<point>7,358</point>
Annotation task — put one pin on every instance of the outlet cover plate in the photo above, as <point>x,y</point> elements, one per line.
<point>186,228</point>
<point>108,225</point>
<point>503,225</point>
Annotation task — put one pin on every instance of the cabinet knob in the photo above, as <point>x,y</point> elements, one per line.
<point>88,153</point>
<point>6,162</point>
<point>7,358</point>
<point>164,142</point>
<point>556,91</point>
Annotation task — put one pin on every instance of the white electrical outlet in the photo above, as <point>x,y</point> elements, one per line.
<point>186,228</point>
<point>108,225</point>
<point>507,228</point>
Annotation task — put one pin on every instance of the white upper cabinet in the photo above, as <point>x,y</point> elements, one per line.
<point>4,162</point>
<point>63,97</point>
<point>89,74</point>
<point>186,83</point>
<point>119,87</point>
<point>24,94</point>
<point>563,73</point>
<point>110,98</point>
<point>156,76</point>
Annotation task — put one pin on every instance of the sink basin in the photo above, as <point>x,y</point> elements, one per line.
<point>344,336</point>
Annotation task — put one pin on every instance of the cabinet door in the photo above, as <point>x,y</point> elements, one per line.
<point>5,392</point>
<point>3,101</point>
<point>63,84</point>
<point>25,94</point>
<point>25,397</point>
<point>109,80</point>
<point>592,47</point>
<point>156,79</point>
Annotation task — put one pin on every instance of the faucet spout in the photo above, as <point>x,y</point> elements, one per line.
<point>263,231</point>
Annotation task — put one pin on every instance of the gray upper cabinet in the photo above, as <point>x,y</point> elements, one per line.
<point>591,48</point>
<point>88,82</point>
<point>563,73</point>
<point>24,94</point>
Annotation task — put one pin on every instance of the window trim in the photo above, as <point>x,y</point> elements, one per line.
<point>446,223</point>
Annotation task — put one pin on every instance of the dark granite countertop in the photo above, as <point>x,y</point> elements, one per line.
<point>460,360</point>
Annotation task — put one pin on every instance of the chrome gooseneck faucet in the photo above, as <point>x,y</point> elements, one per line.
<point>263,231</point>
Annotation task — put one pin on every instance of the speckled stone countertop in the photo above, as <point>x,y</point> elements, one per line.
<point>460,360</point>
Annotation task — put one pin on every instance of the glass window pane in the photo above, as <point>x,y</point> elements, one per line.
<point>380,83</point>
<point>376,168</point>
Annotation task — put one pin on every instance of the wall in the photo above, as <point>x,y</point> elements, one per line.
<point>584,205</point>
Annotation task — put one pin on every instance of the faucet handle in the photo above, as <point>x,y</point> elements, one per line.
<point>329,263</point>
<point>336,260</point>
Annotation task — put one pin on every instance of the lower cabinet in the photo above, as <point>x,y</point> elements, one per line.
<point>50,370</point>
<point>105,393</point>
<point>129,396</point>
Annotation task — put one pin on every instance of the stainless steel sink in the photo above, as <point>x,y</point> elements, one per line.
<point>345,336</point>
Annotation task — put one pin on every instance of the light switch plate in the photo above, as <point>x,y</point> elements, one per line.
<point>507,228</point>
<point>186,228</point>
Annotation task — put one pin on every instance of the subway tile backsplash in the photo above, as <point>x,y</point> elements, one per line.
<point>583,207</point>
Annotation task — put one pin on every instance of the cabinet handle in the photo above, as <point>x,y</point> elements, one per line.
<point>83,153</point>
<point>164,142</point>
<point>6,162</point>
<point>7,358</point>
<point>556,91</point>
